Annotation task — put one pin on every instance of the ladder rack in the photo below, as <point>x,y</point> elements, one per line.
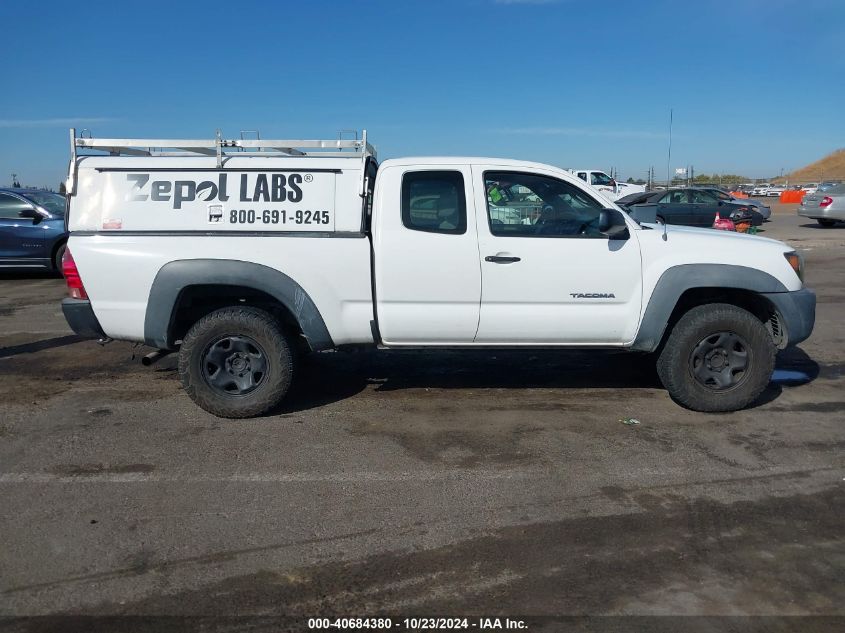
<point>219,147</point>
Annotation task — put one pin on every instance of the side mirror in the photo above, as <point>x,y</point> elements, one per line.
<point>721,203</point>
<point>32,214</point>
<point>612,223</point>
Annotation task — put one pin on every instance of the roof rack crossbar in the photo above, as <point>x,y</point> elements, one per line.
<point>334,148</point>
<point>209,147</point>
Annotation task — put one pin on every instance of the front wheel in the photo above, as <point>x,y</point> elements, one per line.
<point>718,357</point>
<point>57,258</point>
<point>236,362</point>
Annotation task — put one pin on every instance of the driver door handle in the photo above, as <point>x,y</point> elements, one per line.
<point>500,259</point>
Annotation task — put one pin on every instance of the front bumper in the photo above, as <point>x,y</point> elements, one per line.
<point>796,312</point>
<point>81,318</point>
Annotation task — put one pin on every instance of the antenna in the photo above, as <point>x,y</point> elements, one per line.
<point>669,157</point>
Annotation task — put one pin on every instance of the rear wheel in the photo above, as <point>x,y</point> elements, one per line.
<point>660,220</point>
<point>718,357</point>
<point>236,362</point>
<point>826,223</point>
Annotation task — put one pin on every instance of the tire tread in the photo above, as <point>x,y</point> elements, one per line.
<point>672,363</point>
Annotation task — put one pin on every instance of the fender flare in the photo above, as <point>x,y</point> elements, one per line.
<point>675,281</point>
<point>174,277</point>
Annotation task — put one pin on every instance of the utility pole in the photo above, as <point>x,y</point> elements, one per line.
<point>15,182</point>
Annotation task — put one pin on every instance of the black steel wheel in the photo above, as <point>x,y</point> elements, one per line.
<point>236,362</point>
<point>720,361</point>
<point>718,357</point>
<point>234,365</point>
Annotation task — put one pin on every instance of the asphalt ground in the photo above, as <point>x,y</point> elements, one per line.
<point>412,483</point>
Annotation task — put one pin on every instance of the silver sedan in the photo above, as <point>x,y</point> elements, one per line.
<point>826,207</point>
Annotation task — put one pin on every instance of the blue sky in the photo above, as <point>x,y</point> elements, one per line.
<point>756,85</point>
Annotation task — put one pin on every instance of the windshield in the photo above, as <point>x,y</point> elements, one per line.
<point>53,202</point>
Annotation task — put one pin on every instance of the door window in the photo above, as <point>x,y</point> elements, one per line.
<point>599,179</point>
<point>434,201</point>
<point>529,205</point>
<point>11,207</point>
<point>702,197</point>
<point>675,197</point>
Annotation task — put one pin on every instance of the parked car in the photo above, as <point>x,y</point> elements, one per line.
<point>32,229</point>
<point>689,206</point>
<point>824,186</point>
<point>761,189</point>
<point>756,205</point>
<point>774,191</point>
<point>825,207</point>
<point>810,187</point>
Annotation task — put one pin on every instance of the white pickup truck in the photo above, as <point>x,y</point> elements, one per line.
<point>239,254</point>
<point>609,187</point>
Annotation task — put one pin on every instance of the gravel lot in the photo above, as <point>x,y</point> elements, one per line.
<point>420,483</point>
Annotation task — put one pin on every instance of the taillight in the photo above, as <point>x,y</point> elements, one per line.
<point>826,201</point>
<point>74,281</point>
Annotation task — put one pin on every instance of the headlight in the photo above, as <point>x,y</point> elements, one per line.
<point>796,262</point>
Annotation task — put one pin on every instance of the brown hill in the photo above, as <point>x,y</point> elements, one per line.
<point>831,167</point>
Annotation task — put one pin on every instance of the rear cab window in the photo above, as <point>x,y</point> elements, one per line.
<point>434,202</point>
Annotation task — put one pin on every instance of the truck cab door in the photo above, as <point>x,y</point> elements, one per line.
<point>427,273</point>
<point>605,184</point>
<point>548,276</point>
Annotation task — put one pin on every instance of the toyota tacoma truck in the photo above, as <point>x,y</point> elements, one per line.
<point>240,255</point>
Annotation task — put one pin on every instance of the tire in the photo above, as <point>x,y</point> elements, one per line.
<point>826,223</point>
<point>236,362</point>
<point>57,259</point>
<point>707,341</point>
<point>659,220</point>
